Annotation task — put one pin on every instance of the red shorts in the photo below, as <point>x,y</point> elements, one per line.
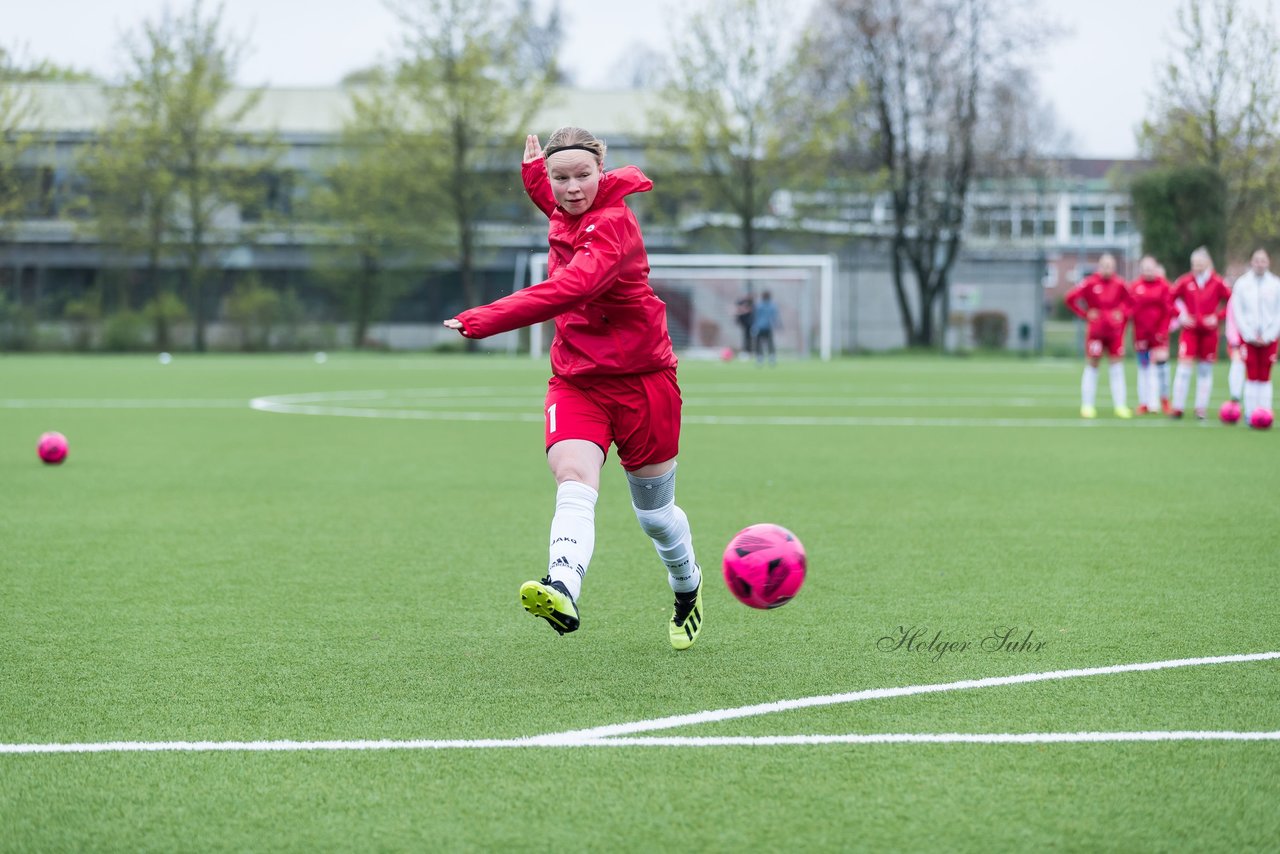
<point>640,413</point>
<point>1110,342</point>
<point>1258,361</point>
<point>1199,344</point>
<point>1145,340</point>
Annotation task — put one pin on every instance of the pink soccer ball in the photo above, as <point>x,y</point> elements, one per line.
<point>1261,419</point>
<point>727,354</point>
<point>1230,412</point>
<point>764,566</point>
<point>52,448</point>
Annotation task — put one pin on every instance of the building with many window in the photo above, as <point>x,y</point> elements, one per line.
<point>1027,238</point>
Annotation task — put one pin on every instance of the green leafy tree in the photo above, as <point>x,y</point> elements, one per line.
<point>17,140</point>
<point>1178,210</point>
<point>723,105</point>
<point>41,71</point>
<point>174,170</point>
<point>379,218</point>
<point>1218,107</point>
<point>469,77</point>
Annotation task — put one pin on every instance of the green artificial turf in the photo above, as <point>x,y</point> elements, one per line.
<point>199,570</point>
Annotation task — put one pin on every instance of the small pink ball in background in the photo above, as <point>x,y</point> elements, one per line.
<point>52,448</point>
<point>726,355</point>
<point>1261,419</point>
<point>1230,412</point>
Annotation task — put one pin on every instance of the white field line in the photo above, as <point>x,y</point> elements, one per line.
<point>524,401</point>
<point>614,735</point>
<point>932,738</point>
<point>673,721</point>
<point>110,403</point>
<point>651,741</point>
<point>316,404</point>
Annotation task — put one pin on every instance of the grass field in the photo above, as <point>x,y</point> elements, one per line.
<point>200,570</point>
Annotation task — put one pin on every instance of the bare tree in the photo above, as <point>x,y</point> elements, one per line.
<point>929,73</point>
<point>726,87</point>
<point>1218,106</point>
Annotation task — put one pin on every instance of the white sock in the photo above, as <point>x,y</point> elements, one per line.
<point>1118,391</point>
<point>1089,386</point>
<point>573,535</point>
<point>1204,384</point>
<point>1264,395</point>
<point>654,501</point>
<point>1162,373</point>
<point>1235,378</point>
<point>1146,385</point>
<point>1181,385</point>
<point>1250,399</point>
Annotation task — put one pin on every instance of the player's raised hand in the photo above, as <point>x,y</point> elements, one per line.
<point>532,148</point>
<point>454,323</point>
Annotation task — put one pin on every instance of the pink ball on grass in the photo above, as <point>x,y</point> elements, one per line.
<point>1261,419</point>
<point>764,566</point>
<point>52,448</point>
<point>1230,412</point>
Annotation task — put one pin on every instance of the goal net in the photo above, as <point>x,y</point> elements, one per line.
<point>703,294</point>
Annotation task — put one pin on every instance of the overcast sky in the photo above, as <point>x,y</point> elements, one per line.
<point>1097,76</point>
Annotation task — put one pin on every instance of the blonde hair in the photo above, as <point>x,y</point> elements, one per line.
<point>575,138</point>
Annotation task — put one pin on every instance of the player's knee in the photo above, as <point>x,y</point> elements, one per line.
<point>662,523</point>
<point>653,499</point>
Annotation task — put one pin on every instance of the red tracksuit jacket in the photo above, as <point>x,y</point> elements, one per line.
<point>1107,296</point>
<point>1202,300</point>
<point>608,320</point>
<point>1152,306</point>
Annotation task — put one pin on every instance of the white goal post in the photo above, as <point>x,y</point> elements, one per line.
<point>701,290</point>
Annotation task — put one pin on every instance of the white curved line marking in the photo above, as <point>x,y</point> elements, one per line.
<point>319,403</point>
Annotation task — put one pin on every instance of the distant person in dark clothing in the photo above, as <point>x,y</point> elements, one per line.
<point>744,313</point>
<point>763,323</point>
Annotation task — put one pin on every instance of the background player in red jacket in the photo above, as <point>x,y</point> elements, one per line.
<point>1103,301</point>
<point>613,374</point>
<point>1204,299</point>
<point>1152,311</point>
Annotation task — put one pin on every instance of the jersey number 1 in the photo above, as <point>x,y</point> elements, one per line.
<point>551,418</point>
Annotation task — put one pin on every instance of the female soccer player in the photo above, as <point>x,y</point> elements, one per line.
<point>613,374</point>
<point>1204,296</point>
<point>1103,300</point>
<point>1255,304</point>
<point>1152,311</point>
